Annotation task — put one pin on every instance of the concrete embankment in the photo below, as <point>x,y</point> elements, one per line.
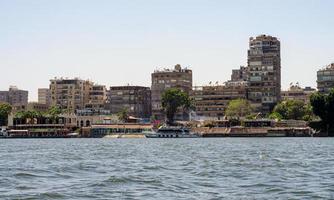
<point>255,132</point>
<point>230,132</point>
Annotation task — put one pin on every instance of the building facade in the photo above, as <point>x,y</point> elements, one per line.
<point>264,72</point>
<point>325,78</point>
<point>97,97</point>
<point>135,99</point>
<point>17,98</point>
<point>44,96</point>
<point>210,102</point>
<point>36,106</point>
<point>4,97</point>
<point>162,80</point>
<point>295,92</point>
<point>70,94</point>
<point>240,74</point>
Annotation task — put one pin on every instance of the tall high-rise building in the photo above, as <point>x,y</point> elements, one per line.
<point>264,72</point>
<point>44,96</point>
<point>70,94</point>
<point>169,78</point>
<point>325,79</point>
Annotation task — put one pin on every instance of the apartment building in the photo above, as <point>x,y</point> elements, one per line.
<point>295,92</point>
<point>17,98</point>
<point>325,78</point>
<point>135,99</point>
<point>97,97</point>
<point>169,78</point>
<point>211,101</point>
<point>44,96</point>
<point>264,72</point>
<point>70,94</point>
<point>240,74</point>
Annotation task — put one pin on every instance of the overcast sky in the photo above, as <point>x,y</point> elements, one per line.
<point>121,42</point>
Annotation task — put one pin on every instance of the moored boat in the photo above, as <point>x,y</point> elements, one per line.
<point>172,132</point>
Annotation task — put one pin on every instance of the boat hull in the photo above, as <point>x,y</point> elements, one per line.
<point>157,135</point>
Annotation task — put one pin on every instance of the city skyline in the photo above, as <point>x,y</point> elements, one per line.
<point>119,43</point>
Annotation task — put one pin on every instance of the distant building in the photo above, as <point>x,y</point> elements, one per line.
<point>264,72</point>
<point>97,97</point>
<point>295,92</point>
<point>4,97</point>
<point>70,94</point>
<point>325,79</point>
<point>44,96</point>
<point>211,101</point>
<point>169,78</point>
<point>135,99</point>
<point>17,98</point>
<point>36,106</point>
<point>240,74</point>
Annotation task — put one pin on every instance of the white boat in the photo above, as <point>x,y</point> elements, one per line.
<point>3,133</point>
<point>172,132</point>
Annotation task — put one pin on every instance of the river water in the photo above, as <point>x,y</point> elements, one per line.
<point>201,168</point>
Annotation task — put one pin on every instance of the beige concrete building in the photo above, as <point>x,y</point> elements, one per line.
<point>36,106</point>
<point>44,96</point>
<point>211,101</point>
<point>325,78</point>
<point>97,97</point>
<point>264,72</point>
<point>70,94</point>
<point>169,78</point>
<point>135,99</point>
<point>295,92</point>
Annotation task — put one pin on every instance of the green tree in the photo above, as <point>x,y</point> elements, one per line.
<point>5,110</point>
<point>275,115</point>
<point>292,109</point>
<point>28,116</point>
<point>323,106</point>
<point>172,100</point>
<point>53,113</point>
<point>123,115</point>
<point>238,108</point>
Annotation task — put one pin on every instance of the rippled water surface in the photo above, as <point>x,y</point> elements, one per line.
<point>203,168</point>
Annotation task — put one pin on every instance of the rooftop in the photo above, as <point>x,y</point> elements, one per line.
<point>328,67</point>
<point>177,68</point>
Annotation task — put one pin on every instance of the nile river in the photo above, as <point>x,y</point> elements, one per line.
<point>203,168</point>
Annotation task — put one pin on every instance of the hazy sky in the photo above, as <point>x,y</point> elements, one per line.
<point>119,42</point>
